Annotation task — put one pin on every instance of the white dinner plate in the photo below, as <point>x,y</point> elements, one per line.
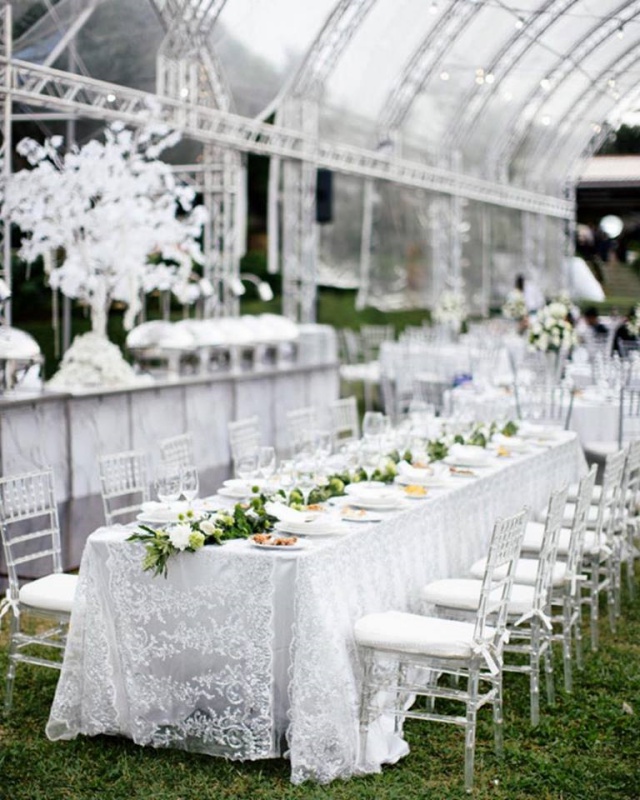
<point>364,486</point>
<point>299,545</point>
<point>235,494</point>
<point>465,463</point>
<point>150,519</point>
<point>432,481</point>
<point>360,515</point>
<point>513,443</point>
<point>309,528</point>
<point>373,504</point>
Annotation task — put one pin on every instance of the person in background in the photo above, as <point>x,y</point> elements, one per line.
<point>590,329</point>
<point>627,331</point>
<point>533,297</point>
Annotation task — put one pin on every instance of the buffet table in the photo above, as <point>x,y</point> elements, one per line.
<point>250,654</point>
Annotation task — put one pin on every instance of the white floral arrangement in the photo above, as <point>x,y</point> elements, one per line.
<point>551,331</point>
<point>451,308</point>
<point>514,306</point>
<point>633,322</point>
<point>93,361</point>
<point>109,218</point>
<point>191,532</point>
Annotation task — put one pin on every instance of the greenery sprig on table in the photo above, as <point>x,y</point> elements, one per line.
<point>193,531</point>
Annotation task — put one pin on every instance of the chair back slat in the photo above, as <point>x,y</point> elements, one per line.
<point>579,524</point>
<point>301,423</point>
<point>244,436</point>
<point>124,484</point>
<point>177,450</point>
<point>549,549</point>
<point>609,506</point>
<point>29,523</point>
<point>504,550</point>
<point>345,426</point>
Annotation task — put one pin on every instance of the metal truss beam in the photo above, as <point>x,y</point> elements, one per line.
<point>422,64</point>
<point>298,109</point>
<point>199,16</point>
<point>512,51</point>
<point>505,145</point>
<point>541,155</point>
<point>54,89</point>
<point>334,36</point>
<point>6,24</point>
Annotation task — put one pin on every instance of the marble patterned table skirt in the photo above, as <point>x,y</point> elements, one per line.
<point>69,432</point>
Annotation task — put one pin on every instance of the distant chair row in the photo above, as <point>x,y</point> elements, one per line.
<point>344,426</point>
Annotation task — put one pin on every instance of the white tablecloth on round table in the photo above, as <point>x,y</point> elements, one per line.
<point>251,654</point>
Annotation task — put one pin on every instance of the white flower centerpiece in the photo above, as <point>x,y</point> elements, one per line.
<point>514,306</point>
<point>553,333</point>
<point>451,310</point>
<point>100,216</point>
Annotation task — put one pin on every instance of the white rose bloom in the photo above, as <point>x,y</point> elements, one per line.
<point>207,527</point>
<point>179,536</point>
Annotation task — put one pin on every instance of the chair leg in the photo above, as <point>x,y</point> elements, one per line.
<point>498,740</point>
<point>534,674</point>
<point>365,700</point>
<point>398,718</point>
<point>548,673</point>
<point>566,644</point>
<point>470,730</point>
<point>631,584</point>
<point>612,593</point>
<point>593,599</point>
<point>11,668</point>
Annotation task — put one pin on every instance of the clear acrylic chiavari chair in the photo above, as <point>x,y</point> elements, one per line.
<point>31,541</point>
<point>177,450</point>
<point>124,484</point>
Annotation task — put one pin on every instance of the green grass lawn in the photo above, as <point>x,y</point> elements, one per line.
<point>587,746</point>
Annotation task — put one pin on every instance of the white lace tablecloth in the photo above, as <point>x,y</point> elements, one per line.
<point>250,654</point>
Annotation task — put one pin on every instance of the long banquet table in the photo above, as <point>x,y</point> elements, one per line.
<point>250,654</point>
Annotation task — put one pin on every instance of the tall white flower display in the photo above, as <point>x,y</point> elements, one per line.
<point>98,213</point>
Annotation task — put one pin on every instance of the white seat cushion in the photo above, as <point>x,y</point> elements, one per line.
<point>534,532</point>
<point>572,494</point>
<point>463,594</point>
<point>570,511</point>
<point>599,449</point>
<point>526,571</point>
<point>412,633</point>
<point>54,592</point>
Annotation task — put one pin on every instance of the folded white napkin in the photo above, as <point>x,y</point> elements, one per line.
<point>415,474</point>
<point>164,511</point>
<point>286,514</point>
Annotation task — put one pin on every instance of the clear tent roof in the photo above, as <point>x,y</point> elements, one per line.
<point>516,92</point>
<point>517,88</point>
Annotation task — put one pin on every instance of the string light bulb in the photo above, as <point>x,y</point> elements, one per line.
<point>620,32</point>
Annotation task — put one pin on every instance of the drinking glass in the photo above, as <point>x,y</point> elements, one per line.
<point>168,485</point>
<point>286,477</point>
<point>247,466</point>
<point>266,462</point>
<point>305,478</point>
<point>369,458</point>
<point>323,443</point>
<point>372,424</point>
<point>189,482</point>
